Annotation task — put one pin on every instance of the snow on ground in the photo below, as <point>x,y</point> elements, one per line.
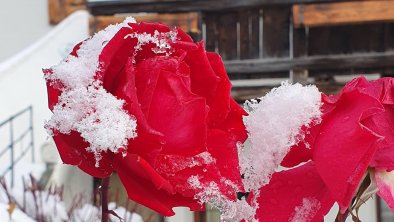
<point>17,215</point>
<point>23,170</point>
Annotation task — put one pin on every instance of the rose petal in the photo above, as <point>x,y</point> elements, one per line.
<point>234,124</point>
<point>220,105</point>
<point>289,198</point>
<point>224,149</point>
<point>385,183</point>
<point>203,78</point>
<point>297,154</point>
<point>52,90</point>
<point>383,124</point>
<point>142,183</point>
<point>176,112</point>
<point>343,135</point>
<point>149,142</point>
<point>72,150</point>
<point>146,51</point>
<point>113,58</point>
<point>69,147</point>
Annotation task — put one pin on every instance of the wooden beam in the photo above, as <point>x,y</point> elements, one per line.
<point>343,13</point>
<point>111,7</point>
<point>328,62</point>
<point>59,9</point>
<point>186,21</point>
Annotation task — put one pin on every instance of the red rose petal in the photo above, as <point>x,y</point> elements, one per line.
<point>287,190</point>
<point>114,57</point>
<point>183,36</point>
<point>385,184</point>
<point>297,154</point>
<point>383,124</point>
<point>142,169</point>
<point>176,112</point>
<point>345,143</point>
<point>203,78</point>
<point>224,149</point>
<point>383,158</point>
<point>69,147</point>
<point>143,188</point>
<point>74,52</point>
<point>234,124</point>
<point>52,90</point>
<point>148,142</point>
<point>220,105</point>
<point>72,150</point>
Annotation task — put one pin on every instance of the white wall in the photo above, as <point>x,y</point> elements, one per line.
<point>22,22</point>
<point>21,78</point>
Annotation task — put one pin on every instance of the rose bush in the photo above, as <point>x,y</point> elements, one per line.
<point>179,96</point>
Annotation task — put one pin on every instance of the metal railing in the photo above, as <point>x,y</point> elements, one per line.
<point>17,140</point>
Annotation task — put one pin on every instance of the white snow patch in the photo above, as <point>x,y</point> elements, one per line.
<point>50,206</point>
<point>177,163</point>
<point>80,71</point>
<point>306,211</point>
<point>84,105</point>
<point>16,216</point>
<point>230,211</point>
<point>161,41</point>
<point>97,115</point>
<point>274,125</point>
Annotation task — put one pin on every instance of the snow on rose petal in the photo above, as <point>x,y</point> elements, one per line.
<point>274,125</point>
<point>295,195</point>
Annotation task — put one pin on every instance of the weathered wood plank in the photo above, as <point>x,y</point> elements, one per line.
<point>188,22</point>
<point>341,61</point>
<point>211,31</point>
<point>110,7</point>
<point>244,34</point>
<point>59,9</point>
<point>300,49</point>
<point>227,29</point>
<point>388,36</point>
<point>276,32</point>
<point>356,12</point>
<point>55,11</point>
<point>328,40</point>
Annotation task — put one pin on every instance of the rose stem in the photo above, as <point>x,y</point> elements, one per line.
<point>104,199</point>
<point>341,217</point>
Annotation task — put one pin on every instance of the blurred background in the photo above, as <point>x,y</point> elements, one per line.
<point>322,42</point>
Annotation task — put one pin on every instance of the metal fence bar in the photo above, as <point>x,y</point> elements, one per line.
<point>14,140</point>
<point>31,134</point>
<point>11,147</point>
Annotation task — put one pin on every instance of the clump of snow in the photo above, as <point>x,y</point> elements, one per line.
<point>97,115</point>
<point>231,211</point>
<point>161,41</point>
<point>79,71</point>
<point>274,125</point>
<point>306,210</point>
<point>84,105</point>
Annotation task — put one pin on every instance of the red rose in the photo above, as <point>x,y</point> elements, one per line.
<point>179,96</point>
<point>356,133</point>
